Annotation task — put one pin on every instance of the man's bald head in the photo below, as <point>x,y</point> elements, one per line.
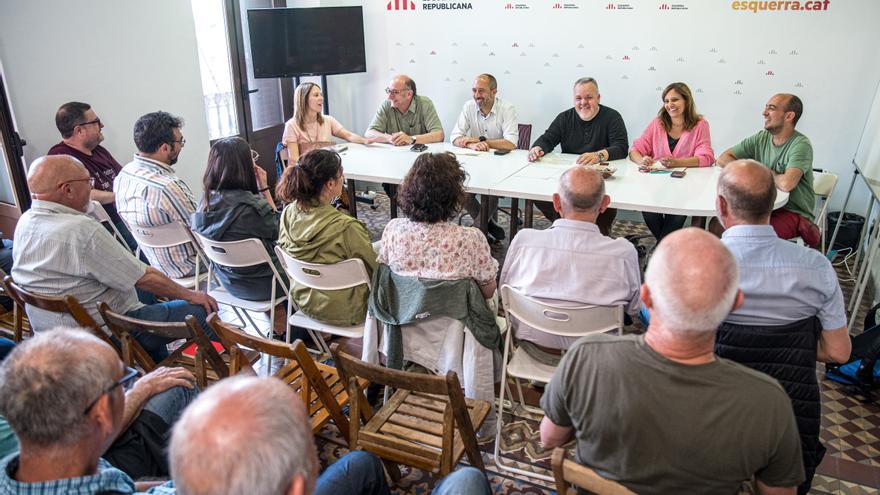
<point>693,281</point>
<point>581,190</point>
<point>263,414</point>
<point>749,191</point>
<point>61,179</point>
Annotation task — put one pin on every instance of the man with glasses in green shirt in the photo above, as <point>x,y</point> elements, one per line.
<point>789,154</point>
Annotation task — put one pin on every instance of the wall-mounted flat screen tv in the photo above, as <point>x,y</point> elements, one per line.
<point>305,42</point>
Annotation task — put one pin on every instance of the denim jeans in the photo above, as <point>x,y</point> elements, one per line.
<point>356,473</point>
<point>171,311</point>
<point>169,405</point>
<point>465,481</point>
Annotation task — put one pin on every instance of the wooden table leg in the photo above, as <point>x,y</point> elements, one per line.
<point>352,200</point>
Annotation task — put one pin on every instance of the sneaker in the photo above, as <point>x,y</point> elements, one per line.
<point>496,231</point>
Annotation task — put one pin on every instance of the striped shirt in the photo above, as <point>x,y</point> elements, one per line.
<point>108,479</point>
<point>62,251</point>
<point>149,194</point>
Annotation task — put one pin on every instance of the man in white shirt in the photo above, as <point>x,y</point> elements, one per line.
<point>572,262</point>
<point>486,122</point>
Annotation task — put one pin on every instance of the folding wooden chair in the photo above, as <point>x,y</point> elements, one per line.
<point>568,472</point>
<point>319,385</point>
<point>17,325</point>
<point>57,304</point>
<point>195,341</point>
<point>427,423</point>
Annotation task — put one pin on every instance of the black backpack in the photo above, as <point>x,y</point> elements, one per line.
<point>862,371</point>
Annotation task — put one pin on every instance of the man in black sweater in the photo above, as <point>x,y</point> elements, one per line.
<point>595,132</point>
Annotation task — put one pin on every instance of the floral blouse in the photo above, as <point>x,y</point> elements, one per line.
<point>440,251</point>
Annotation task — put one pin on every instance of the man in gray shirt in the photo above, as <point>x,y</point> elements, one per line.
<point>660,412</point>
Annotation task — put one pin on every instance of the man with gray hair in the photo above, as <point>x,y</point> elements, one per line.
<point>68,410</point>
<point>595,132</point>
<point>660,412</point>
<point>572,263</point>
<point>260,442</point>
<point>793,314</point>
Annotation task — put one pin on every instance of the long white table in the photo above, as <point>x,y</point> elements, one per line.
<point>513,176</point>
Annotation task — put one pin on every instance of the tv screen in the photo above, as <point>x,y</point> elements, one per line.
<point>303,42</point>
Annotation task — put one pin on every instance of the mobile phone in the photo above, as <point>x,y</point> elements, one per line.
<point>418,147</point>
<point>502,152</point>
<point>678,174</point>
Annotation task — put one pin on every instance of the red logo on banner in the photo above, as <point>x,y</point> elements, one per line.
<point>610,6</point>
<point>401,5</point>
<point>557,5</point>
<point>508,6</point>
<point>664,6</point>
<point>771,73</point>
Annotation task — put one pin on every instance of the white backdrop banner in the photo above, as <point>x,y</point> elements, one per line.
<point>733,55</point>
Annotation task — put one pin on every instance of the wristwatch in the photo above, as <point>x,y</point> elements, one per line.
<point>413,141</point>
<point>482,138</point>
<point>601,155</point>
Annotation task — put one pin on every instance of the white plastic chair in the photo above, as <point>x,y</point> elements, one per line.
<point>824,184</point>
<point>240,254</point>
<point>336,276</point>
<point>97,211</point>
<point>553,319</point>
<point>165,236</point>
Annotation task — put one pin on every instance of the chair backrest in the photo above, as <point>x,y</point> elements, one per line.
<point>97,210</point>
<point>335,276</point>
<point>168,235</point>
<point>350,366</point>
<point>824,184</point>
<point>124,327</point>
<point>234,254</point>
<point>525,136</point>
<point>567,472</point>
<point>57,304</point>
<point>559,320</point>
<point>298,358</point>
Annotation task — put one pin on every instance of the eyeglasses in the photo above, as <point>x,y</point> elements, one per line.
<point>96,121</point>
<point>90,179</point>
<point>394,92</point>
<point>130,374</point>
<point>255,155</point>
<point>182,142</point>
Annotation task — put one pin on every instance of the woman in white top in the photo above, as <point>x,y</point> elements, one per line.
<point>309,128</point>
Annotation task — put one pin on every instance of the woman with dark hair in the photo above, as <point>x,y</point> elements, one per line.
<point>237,205</point>
<point>427,244</point>
<point>677,137</point>
<point>312,230</point>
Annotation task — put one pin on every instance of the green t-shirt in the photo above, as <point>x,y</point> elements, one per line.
<point>658,426</point>
<point>420,118</point>
<point>797,152</point>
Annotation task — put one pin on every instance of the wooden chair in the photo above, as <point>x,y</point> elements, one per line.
<point>427,423</point>
<point>17,324</point>
<point>567,473</point>
<point>57,304</point>
<point>123,328</point>
<point>319,385</point>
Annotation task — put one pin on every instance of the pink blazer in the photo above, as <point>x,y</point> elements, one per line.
<point>694,142</point>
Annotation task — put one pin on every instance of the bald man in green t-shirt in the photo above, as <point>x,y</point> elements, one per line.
<point>789,154</point>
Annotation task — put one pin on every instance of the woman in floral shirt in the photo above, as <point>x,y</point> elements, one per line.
<point>426,243</point>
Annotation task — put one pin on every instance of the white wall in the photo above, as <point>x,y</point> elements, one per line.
<point>125,58</point>
<point>829,58</point>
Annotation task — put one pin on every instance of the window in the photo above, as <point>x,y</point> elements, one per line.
<point>216,69</point>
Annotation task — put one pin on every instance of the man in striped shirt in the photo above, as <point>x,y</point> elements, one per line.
<point>149,194</point>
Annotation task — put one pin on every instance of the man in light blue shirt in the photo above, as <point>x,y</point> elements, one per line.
<point>783,283</point>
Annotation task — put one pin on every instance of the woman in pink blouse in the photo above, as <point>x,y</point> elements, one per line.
<point>677,137</point>
<point>309,128</point>
<point>427,243</point>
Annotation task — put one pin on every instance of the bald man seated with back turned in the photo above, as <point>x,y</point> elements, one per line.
<point>660,412</point>
<point>59,250</point>
<point>261,443</point>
